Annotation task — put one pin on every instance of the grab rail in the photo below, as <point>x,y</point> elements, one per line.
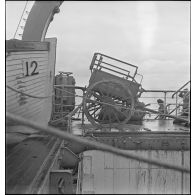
<point>180,89</point>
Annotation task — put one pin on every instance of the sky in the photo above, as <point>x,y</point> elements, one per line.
<point>155,36</point>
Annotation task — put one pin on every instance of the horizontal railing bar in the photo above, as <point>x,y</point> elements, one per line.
<point>118,72</point>
<point>163,91</point>
<point>71,86</point>
<point>110,65</point>
<point>180,89</point>
<point>118,60</point>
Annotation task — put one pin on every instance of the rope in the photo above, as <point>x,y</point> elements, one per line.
<point>94,144</point>
<point>32,96</point>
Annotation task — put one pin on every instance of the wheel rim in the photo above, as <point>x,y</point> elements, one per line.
<point>108,102</point>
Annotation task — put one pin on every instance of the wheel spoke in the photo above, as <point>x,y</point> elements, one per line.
<point>93,107</point>
<point>95,110</point>
<point>90,101</point>
<point>97,96</point>
<point>98,114</point>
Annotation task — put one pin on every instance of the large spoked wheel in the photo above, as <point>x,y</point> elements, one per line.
<point>108,102</point>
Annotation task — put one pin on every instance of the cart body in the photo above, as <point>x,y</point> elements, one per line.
<point>107,68</point>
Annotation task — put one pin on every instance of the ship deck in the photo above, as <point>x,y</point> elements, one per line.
<point>27,153</point>
<point>30,152</point>
<point>103,172</point>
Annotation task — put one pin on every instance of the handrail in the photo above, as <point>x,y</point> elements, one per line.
<point>71,86</point>
<point>175,109</point>
<point>180,89</point>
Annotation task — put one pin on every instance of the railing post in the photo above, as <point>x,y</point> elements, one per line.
<point>165,102</point>
<point>176,101</point>
<point>189,109</point>
<point>83,111</point>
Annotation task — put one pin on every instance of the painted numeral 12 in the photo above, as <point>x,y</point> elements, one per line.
<point>31,68</point>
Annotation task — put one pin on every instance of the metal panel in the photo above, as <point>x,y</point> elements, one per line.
<point>138,181</point>
<point>108,181</point>
<point>99,75</point>
<point>186,177</point>
<point>121,181</point>
<point>113,174</point>
<point>165,181</point>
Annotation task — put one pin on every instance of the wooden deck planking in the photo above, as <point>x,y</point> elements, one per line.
<point>24,161</point>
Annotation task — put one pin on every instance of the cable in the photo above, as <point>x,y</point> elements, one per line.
<point>32,96</point>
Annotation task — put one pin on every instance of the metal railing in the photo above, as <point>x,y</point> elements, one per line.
<point>181,88</point>
<point>62,112</point>
<point>170,101</point>
<point>172,107</point>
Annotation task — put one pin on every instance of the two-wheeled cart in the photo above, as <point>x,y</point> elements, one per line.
<point>113,91</point>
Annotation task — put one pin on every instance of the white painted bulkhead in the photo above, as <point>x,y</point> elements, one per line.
<point>106,173</point>
<point>40,84</point>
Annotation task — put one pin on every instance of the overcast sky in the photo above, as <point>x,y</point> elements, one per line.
<point>155,36</point>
